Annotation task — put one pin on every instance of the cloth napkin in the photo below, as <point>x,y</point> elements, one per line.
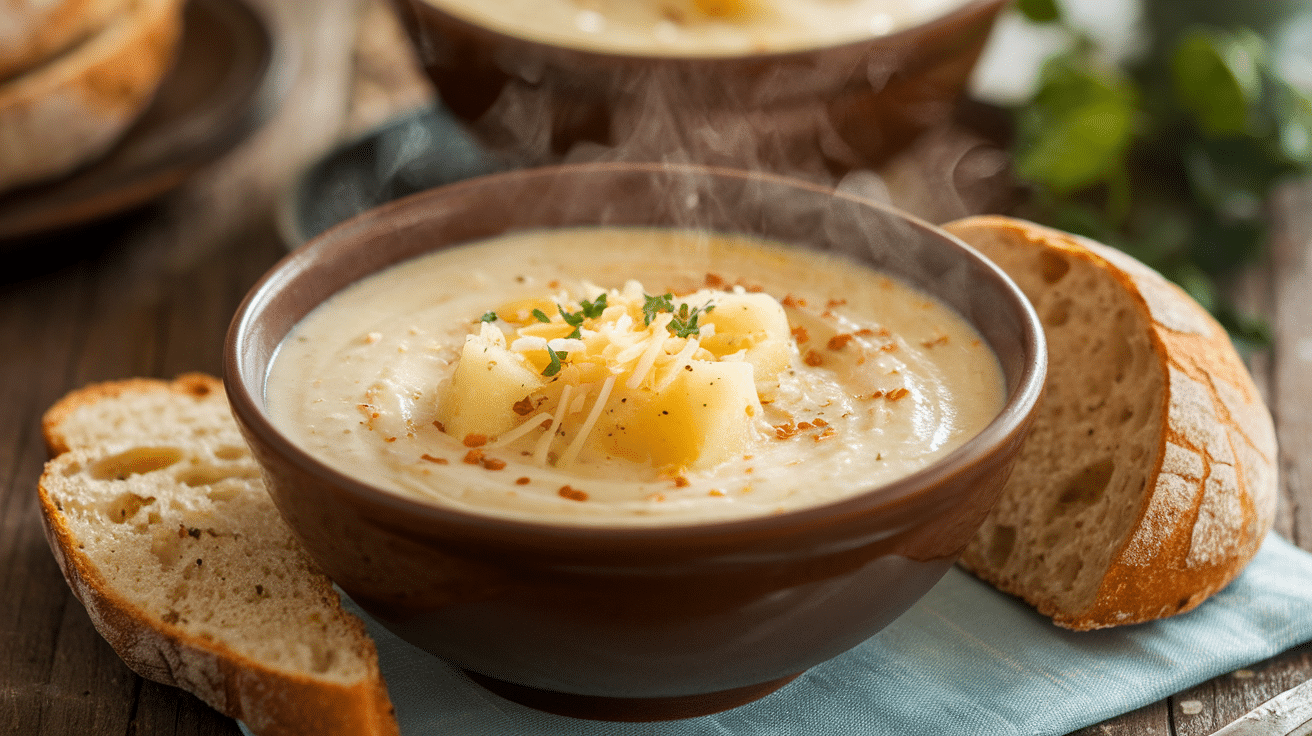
<point>965,659</point>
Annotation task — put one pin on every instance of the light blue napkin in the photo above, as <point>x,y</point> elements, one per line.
<point>965,659</point>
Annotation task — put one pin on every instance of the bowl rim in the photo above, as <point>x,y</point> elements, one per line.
<point>1016,413</point>
<point>904,35</point>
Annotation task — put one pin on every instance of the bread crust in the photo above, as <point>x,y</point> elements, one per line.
<point>1193,532</point>
<point>270,701</point>
<point>194,385</point>
<point>36,31</point>
<point>72,109</point>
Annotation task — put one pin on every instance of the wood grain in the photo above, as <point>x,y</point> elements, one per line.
<point>1291,288</point>
<point>1150,719</point>
<point>151,294</point>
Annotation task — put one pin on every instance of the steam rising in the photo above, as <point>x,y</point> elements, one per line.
<point>828,116</point>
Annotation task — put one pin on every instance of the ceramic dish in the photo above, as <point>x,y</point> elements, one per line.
<point>654,622</point>
<point>808,112</point>
<point>227,79</point>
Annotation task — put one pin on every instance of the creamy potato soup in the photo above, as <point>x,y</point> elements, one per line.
<point>697,27</point>
<point>631,377</point>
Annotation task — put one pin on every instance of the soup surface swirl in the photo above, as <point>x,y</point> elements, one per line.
<point>868,380</point>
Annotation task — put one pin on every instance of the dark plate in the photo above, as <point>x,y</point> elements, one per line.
<point>227,79</point>
<point>429,147</point>
<point>419,150</point>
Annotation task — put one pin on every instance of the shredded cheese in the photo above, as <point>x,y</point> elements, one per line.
<point>592,346</point>
<point>528,426</point>
<point>544,442</point>
<point>655,344</point>
<point>581,436</point>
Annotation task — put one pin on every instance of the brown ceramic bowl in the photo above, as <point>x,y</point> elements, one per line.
<point>811,112</point>
<point>637,623</point>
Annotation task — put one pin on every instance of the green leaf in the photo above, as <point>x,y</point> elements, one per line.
<point>593,309</point>
<point>653,305</point>
<point>1217,78</point>
<point>571,318</point>
<point>488,317</point>
<point>684,323</point>
<point>1080,149</point>
<point>1039,11</point>
<point>1078,129</point>
<point>1293,119</point>
<point>554,366</point>
<point>540,315</point>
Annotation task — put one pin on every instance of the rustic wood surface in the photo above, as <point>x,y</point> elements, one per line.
<point>151,295</point>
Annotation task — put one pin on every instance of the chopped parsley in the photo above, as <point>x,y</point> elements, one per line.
<point>489,317</point>
<point>571,318</point>
<point>684,323</point>
<point>554,367</point>
<point>588,310</point>
<point>593,309</point>
<point>540,315</point>
<point>685,319</point>
<point>653,305</point>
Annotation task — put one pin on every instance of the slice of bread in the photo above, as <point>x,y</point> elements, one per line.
<point>1149,479</point>
<point>74,107</point>
<point>158,517</point>
<point>31,31</point>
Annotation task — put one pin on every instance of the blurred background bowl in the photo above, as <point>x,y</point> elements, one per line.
<point>637,623</point>
<point>810,112</point>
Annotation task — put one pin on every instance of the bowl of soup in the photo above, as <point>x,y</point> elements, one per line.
<point>634,441</point>
<point>799,86</point>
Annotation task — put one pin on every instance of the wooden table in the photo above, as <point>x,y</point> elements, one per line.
<point>152,296</point>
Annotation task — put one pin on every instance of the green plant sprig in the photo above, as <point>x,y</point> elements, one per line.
<point>1171,158</point>
<point>685,321</point>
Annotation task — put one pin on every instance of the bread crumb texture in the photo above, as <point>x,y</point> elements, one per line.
<point>1148,480</point>
<point>160,520</point>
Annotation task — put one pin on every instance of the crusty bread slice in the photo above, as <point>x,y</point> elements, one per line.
<point>1149,479</point>
<point>31,31</point>
<point>73,108</point>
<point>158,517</point>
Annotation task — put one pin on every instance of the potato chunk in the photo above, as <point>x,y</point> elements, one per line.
<point>702,418</point>
<point>487,382</point>
<point>754,323</point>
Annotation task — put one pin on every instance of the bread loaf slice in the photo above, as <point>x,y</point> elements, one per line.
<point>71,109</point>
<point>158,518</point>
<point>31,31</point>
<point>1149,479</point>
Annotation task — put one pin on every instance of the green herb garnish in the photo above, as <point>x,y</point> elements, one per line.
<point>684,323</point>
<point>593,309</point>
<point>540,315</point>
<point>554,366</point>
<point>685,319</point>
<point>488,317</point>
<point>571,318</point>
<point>653,305</point>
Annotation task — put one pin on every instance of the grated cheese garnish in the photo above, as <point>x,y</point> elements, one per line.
<point>590,346</point>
